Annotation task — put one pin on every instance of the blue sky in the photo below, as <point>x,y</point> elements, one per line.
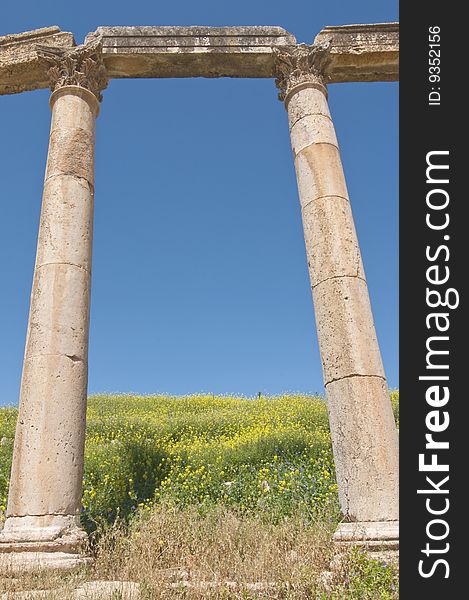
<point>200,279</point>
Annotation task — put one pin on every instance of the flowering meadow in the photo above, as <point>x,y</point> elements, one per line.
<point>231,494</point>
<point>270,456</point>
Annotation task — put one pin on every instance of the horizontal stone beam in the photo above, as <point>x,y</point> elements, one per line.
<point>359,52</point>
<point>20,68</point>
<point>362,52</point>
<point>191,51</point>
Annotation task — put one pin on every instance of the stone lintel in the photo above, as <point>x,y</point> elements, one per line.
<point>20,68</point>
<point>191,51</point>
<point>358,52</point>
<point>362,52</point>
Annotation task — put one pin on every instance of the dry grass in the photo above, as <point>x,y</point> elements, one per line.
<point>217,547</point>
<point>174,554</point>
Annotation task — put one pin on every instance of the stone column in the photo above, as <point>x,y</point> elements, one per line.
<point>46,480</point>
<point>364,435</point>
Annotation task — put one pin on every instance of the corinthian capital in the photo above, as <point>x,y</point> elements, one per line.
<point>82,65</point>
<point>301,64</point>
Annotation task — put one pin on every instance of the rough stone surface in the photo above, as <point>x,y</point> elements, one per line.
<point>379,538</point>
<point>91,590</point>
<point>312,129</point>
<point>62,331</point>
<point>301,66</point>
<point>366,448</point>
<point>46,479</point>
<point>346,331</point>
<point>362,52</point>
<point>68,237</point>
<point>62,529</point>
<point>20,562</point>
<point>79,66</point>
<point>358,52</point>
<point>331,240</point>
<point>20,68</point>
<point>305,104</point>
<point>191,51</point>
<point>49,438</point>
<point>363,431</point>
<point>319,173</point>
<point>375,531</point>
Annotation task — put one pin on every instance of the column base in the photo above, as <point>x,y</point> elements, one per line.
<point>374,536</point>
<point>45,542</point>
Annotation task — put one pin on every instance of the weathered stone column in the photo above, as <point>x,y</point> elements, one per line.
<point>46,479</point>
<point>363,431</point>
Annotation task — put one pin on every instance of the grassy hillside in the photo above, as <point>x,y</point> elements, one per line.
<point>270,455</point>
<point>229,498</point>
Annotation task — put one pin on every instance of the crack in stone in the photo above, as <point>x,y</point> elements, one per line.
<point>324,196</point>
<point>64,263</point>
<point>340,277</point>
<point>354,375</point>
<point>74,358</point>
<point>295,154</point>
<point>316,114</point>
<point>89,185</point>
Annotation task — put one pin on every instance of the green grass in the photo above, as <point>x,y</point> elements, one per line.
<point>270,456</point>
<point>229,488</point>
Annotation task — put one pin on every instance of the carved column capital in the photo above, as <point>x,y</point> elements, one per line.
<point>300,65</point>
<point>82,66</point>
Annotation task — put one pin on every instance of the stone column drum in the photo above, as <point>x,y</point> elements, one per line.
<point>46,479</point>
<point>364,434</point>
